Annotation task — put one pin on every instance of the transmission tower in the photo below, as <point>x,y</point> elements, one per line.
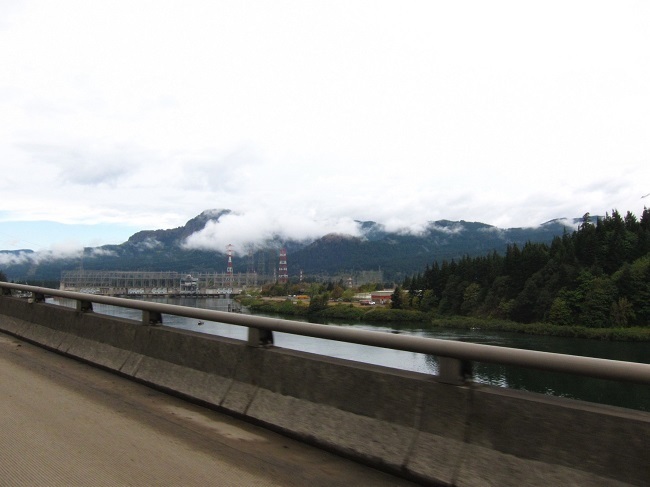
<point>283,273</point>
<point>229,273</point>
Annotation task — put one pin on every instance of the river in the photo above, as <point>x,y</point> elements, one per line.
<point>594,390</point>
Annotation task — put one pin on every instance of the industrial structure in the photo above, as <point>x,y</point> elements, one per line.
<point>118,283</point>
<point>283,272</point>
<point>229,272</point>
<point>171,283</point>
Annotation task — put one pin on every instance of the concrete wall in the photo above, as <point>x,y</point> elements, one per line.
<point>404,422</point>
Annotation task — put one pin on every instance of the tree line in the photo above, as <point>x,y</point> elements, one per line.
<point>596,276</point>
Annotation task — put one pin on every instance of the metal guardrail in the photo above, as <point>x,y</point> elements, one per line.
<point>455,357</point>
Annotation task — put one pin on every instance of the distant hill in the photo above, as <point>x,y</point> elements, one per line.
<point>395,254</point>
<point>398,255</point>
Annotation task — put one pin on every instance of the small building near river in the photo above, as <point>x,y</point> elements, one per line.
<point>382,297</point>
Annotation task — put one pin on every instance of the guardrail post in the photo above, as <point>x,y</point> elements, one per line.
<point>38,297</point>
<point>259,337</point>
<point>84,306</point>
<point>6,291</point>
<point>453,370</point>
<point>151,318</point>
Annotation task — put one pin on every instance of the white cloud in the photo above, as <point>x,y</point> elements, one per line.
<point>148,244</point>
<point>453,229</point>
<point>7,259</point>
<point>245,230</point>
<point>67,249</point>
<point>99,252</point>
<point>63,250</point>
<point>305,116</point>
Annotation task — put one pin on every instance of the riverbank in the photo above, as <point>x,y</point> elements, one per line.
<point>635,334</point>
<point>399,317</point>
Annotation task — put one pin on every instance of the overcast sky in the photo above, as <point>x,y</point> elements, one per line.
<point>122,115</point>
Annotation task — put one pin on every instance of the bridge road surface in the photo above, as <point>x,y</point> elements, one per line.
<point>66,423</point>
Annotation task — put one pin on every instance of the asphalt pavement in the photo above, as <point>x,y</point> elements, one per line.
<point>67,423</point>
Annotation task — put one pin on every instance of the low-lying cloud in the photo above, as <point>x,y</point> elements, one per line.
<point>56,252</point>
<point>453,229</point>
<point>148,244</point>
<point>253,228</point>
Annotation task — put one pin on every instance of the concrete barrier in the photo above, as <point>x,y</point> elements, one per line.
<point>404,422</point>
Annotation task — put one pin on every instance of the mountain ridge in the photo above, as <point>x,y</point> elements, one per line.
<point>397,254</point>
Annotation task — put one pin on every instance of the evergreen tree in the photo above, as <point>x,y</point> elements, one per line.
<point>599,275</point>
<point>318,302</point>
<point>396,299</point>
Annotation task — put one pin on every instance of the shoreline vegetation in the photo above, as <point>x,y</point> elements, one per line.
<point>398,317</point>
<point>593,283</point>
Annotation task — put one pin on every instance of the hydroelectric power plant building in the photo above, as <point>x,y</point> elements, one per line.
<point>145,283</point>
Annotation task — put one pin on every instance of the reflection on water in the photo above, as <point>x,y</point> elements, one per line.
<point>594,390</point>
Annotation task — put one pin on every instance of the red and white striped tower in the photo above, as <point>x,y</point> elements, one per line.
<point>229,267</point>
<point>283,273</point>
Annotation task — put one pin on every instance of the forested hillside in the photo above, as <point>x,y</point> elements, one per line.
<point>597,276</point>
<point>396,254</point>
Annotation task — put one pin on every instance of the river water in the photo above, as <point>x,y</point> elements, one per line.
<point>576,387</point>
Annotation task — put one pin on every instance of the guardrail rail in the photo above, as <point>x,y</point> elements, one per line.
<point>455,358</point>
